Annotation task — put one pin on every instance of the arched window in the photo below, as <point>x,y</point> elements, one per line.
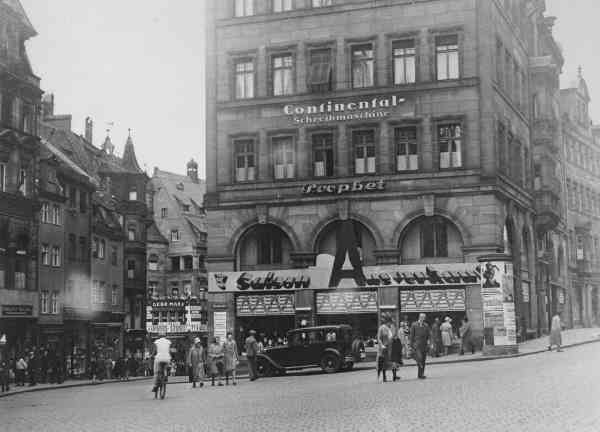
<point>264,245</point>
<point>131,232</point>
<point>430,239</point>
<point>327,241</point>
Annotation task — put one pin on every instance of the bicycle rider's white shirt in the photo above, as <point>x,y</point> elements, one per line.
<point>163,352</point>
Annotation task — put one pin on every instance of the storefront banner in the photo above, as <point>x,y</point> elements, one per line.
<point>438,275</point>
<point>172,327</point>
<point>265,304</point>
<point>347,302</point>
<point>168,304</point>
<point>497,291</point>
<point>433,300</point>
<point>17,310</point>
<point>220,325</point>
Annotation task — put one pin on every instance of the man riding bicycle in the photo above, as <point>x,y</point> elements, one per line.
<point>162,347</point>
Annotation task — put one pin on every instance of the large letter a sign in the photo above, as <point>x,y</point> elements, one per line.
<point>347,244</point>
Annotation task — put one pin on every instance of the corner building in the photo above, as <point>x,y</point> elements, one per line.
<point>398,130</point>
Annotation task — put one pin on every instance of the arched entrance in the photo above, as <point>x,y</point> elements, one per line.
<point>326,241</point>
<point>263,247</point>
<point>431,239</point>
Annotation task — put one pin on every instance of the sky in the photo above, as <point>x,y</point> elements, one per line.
<point>139,64</point>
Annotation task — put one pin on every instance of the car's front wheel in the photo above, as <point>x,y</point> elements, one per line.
<point>330,363</point>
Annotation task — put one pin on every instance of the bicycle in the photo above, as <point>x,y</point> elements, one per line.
<point>163,377</point>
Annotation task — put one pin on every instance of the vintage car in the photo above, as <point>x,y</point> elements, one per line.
<point>332,348</point>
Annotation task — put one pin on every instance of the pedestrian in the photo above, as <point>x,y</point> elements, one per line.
<point>93,368</point>
<point>131,367</point>
<point>396,355</point>
<point>108,367</point>
<point>405,327</point>
<point>446,330</point>
<point>195,360</point>
<point>466,333</point>
<point>230,359</point>
<point>4,368</point>
<point>215,360</point>
<point>384,340</point>
<point>419,338</point>
<point>436,337</point>
<point>251,351</point>
<point>555,333</point>
<point>20,368</point>
<point>32,367</point>
<point>44,366</point>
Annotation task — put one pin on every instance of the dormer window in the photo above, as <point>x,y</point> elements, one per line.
<point>186,208</point>
<point>133,196</point>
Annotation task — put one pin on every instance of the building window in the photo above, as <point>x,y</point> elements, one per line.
<point>320,76</point>
<point>133,195</point>
<point>283,155</point>
<point>152,288</point>
<point>44,302</point>
<point>23,181</point>
<point>404,55</point>
<point>244,79</point>
<point>153,262</point>
<point>363,66</point>
<point>163,212</point>
<point>102,249</point>
<point>83,250</point>
<point>269,250</point>
<point>446,48</point>
<point>323,155</point>
<point>96,293</point>
<point>131,233</point>
<point>434,238</point>
<point>244,8</point>
<point>115,295</point>
<point>185,208</point>
<point>405,140</point>
<point>283,74</point>
<point>580,247</point>
<point>72,197</point>
<point>56,219</point>
<point>321,3</point>
<point>188,263</point>
<point>130,269</point>
<point>175,235</point>
<point>450,143</point>
<point>54,303</point>
<point>45,213</point>
<point>72,252</point>
<point>45,254</point>
<point>114,255</point>
<point>2,177</point>
<point>96,247</point>
<point>55,257</point>
<point>175,264</point>
<point>245,167</point>
<point>282,5</point>
<point>83,204</point>
<point>364,151</point>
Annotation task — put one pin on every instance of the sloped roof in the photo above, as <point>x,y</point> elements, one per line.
<point>197,224</point>
<point>68,162</point>
<point>18,9</point>
<point>153,235</point>
<point>129,161</point>
<point>181,187</point>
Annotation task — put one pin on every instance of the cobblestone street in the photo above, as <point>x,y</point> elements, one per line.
<point>543,392</point>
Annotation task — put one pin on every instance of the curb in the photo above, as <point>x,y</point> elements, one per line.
<point>244,377</point>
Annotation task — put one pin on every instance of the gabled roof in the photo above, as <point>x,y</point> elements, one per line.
<point>153,235</point>
<point>180,187</point>
<point>130,162</point>
<point>198,225</point>
<point>17,8</point>
<point>62,158</point>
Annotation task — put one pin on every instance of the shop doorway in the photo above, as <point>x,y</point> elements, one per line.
<point>364,326</point>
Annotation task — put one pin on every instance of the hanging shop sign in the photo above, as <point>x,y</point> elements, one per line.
<point>346,302</point>
<point>265,304</point>
<point>433,300</point>
<point>168,304</point>
<point>342,188</point>
<point>17,310</point>
<point>497,293</point>
<point>340,110</point>
<point>176,327</point>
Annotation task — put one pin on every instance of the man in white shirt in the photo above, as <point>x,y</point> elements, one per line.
<point>163,355</point>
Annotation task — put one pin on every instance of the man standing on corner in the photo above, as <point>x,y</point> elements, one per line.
<point>251,351</point>
<point>419,338</point>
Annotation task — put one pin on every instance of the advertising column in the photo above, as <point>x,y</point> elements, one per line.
<point>497,291</point>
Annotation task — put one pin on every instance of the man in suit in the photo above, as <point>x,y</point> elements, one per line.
<point>251,351</point>
<point>419,338</point>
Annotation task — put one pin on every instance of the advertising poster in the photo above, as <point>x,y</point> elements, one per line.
<point>347,302</point>
<point>220,325</point>
<point>497,291</point>
<point>266,304</point>
<point>432,300</point>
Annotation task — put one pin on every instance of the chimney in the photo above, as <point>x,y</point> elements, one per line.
<point>89,130</point>
<point>47,105</point>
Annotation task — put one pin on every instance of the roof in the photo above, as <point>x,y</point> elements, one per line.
<point>180,187</point>
<point>197,224</point>
<point>129,161</point>
<point>68,162</point>
<point>153,235</point>
<point>18,9</point>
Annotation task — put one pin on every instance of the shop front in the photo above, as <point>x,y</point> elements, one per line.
<point>18,324</point>
<point>359,309</point>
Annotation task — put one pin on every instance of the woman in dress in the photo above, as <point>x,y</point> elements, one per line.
<point>446,329</point>
<point>230,353</point>
<point>215,360</point>
<point>196,363</point>
<point>396,356</point>
<point>384,340</point>
<point>555,333</point>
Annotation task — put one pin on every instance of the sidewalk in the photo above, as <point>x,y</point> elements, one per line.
<point>570,338</point>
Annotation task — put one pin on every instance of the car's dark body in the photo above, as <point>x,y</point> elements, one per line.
<point>312,347</point>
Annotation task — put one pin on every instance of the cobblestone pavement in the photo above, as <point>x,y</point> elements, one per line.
<point>544,392</point>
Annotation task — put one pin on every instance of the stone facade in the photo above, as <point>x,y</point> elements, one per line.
<point>481,193</point>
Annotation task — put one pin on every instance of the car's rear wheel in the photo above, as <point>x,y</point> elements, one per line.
<point>264,368</point>
<point>330,363</point>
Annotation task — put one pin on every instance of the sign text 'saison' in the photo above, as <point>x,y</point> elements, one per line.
<point>341,188</point>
